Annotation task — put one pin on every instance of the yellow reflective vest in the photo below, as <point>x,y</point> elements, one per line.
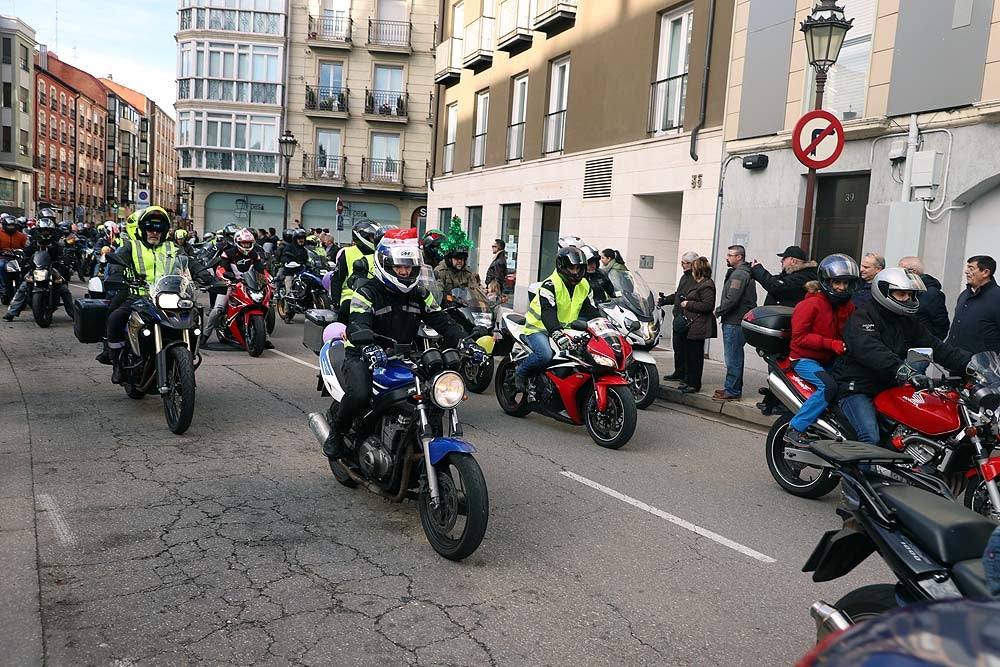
<point>351,255</point>
<point>153,263</point>
<point>567,308</point>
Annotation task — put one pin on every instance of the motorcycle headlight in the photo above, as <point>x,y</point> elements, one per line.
<point>168,301</point>
<point>447,390</point>
<point>603,360</point>
<point>648,331</point>
<point>256,296</point>
<point>40,275</point>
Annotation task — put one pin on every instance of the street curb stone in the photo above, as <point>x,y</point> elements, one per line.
<point>741,410</point>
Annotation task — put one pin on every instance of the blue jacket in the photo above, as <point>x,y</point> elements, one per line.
<point>863,295</point>
<point>976,326</point>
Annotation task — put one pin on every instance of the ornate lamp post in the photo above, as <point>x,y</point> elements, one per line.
<point>825,30</point>
<point>286,144</point>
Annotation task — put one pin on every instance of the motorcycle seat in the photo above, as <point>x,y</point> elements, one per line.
<point>950,532</point>
<point>516,318</point>
<point>970,577</point>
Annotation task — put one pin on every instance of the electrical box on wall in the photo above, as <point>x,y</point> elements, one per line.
<point>925,174</point>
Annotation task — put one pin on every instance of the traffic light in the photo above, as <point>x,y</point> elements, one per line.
<point>114,204</point>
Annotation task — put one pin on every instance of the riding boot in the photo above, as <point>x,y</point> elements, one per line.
<point>105,356</point>
<point>333,447</point>
<point>520,382</point>
<point>117,372</point>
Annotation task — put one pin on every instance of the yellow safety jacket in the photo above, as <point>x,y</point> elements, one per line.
<point>567,308</point>
<point>351,255</point>
<point>153,263</point>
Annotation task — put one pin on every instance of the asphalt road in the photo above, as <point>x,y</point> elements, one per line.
<point>232,544</point>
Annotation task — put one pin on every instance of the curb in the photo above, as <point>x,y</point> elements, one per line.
<point>742,410</point>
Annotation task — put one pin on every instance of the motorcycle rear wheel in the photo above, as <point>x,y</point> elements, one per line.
<point>40,310</point>
<point>322,300</point>
<point>620,409</point>
<point>178,403</point>
<point>644,381</point>
<point>866,603</point>
<point>455,528</point>
<point>503,383</point>
<point>256,335</point>
<point>789,475</point>
<point>478,378</point>
<point>284,312</point>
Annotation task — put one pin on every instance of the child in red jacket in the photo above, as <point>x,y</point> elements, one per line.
<point>817,323</point>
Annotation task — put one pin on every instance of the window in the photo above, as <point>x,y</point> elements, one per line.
<point>847,81</point>
<point>479,130</point>
<point>328,154</point>
<point>7,51</point>
<point>444,218</point>
<point>458,22</point>
<point>518,116</point>
<point>474,222</point>
<point>8,94</point>
<point>25,62</point>
<point>233,142</point>
<point>229,72</point>
<point>548,242</point>
<point>22,101</point>
<point>389,78</point>
<point>510,231</point>
<point>6,139</point>
<point>554,135</point>
<point>451,125</point>
<point>669,91</point>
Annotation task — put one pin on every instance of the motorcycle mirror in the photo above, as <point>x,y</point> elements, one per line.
<point>918,354</point>
<point>633,325</point>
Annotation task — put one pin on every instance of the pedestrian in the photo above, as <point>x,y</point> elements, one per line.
<point>739,295</point>
<point>789,286</point>
<point>976,327</point>
<point>496,274</point>
<point>679,327</point>
<point>932,310</point>
<point>612,259</point>
<point>697,308</point>
<point>871,264</point>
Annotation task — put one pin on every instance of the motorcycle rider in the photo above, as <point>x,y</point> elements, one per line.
<point>364,233</point>
<point>453,272</point>
<point>292,251</point>
<point>392,304</point>
<point>44,236</point>
<point>149,258</point>
<point>242,256</point>
<point>877,337</point>
<point>11,239</point>
<point>180,239</point>
<point>562,298</point>
<point>430,246</point>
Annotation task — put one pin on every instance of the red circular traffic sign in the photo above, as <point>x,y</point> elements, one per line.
<point>818,139</point>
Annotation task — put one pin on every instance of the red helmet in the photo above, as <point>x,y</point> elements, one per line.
<point>244,240</point>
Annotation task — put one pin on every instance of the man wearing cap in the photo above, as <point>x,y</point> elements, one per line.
<point>788,287</point>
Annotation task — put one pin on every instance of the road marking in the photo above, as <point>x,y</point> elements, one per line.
<point>677,521</point>
<point>48,504</point>
<point>291,358</point>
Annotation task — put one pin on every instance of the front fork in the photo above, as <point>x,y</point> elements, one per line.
<point>987,470</point>
<point>426,435</point>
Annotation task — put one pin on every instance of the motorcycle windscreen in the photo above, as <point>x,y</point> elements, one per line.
<point>471,298</point>
<point>984,371</point>
<point>632,293</point>
<point>427,280</point>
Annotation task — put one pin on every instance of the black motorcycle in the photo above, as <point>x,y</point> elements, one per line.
<point>11,274</point>
<point>45,278</point>
<point>477,315</point>
<point>932,544</point>
<point>307,292</point>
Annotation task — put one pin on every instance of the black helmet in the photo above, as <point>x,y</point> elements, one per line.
<point>47,214</point>
<point>839,267</point>
<point>66,227</point>
<point>569,258</point>
<point>287,235</point>
<point>45,231</point>
<point>9,222</point>
<point>299,234</point>
<point>229,231</point>
<point>153,219</point>
<point>431,245</point>
<point>895,278</point>
<point>364,233</point>
<point>380,234</point>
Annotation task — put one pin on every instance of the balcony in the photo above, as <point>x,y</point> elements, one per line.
<point>448,62</point>
<point>391,36</point>
<point>554,132</point>
<point>514,33</point>
<point>667,99</point>
<point>329,32</point>
<point>448,159</point>
<point>386,105</point>
<point>478,43</point>
<point>327,102</point>
<point>324,167</point>
<point>554,16</point>
<point>382,172</point>
<point>515,141</point>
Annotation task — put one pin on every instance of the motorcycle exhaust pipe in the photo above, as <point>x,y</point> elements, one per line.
<point>319,426</point>
<point>792,401</point>
<point>828,619</point>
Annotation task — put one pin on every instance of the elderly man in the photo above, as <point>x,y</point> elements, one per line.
<point>788,287</point>
<point>684,285</point>
<point>871,264</point>
<point>977,314</point>
<point>739,295</point>
<point>932,311</point>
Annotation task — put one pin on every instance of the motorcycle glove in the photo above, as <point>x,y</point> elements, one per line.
<point>921,381</point>
<point>374,356</point>
<point>562,340</point>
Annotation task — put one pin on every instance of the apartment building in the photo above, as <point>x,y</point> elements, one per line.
<point>162,158</point>
<point>593,119</point>
<point>935,65</point>
<point>55,140</point>
<point>124,163</point>
<point>17,40</point>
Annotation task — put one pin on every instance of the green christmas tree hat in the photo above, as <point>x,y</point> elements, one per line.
<point>456,240</point>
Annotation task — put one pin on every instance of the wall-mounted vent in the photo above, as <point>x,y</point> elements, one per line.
<point>597,178</point>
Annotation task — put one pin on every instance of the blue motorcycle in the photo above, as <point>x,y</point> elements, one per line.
<point>306,292</point>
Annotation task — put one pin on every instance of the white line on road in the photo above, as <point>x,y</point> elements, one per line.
<point>291,358</point>
<point>687,525</point>
<point>48,504</point>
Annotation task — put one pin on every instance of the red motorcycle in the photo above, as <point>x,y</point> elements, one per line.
<point>585,384</point>
<point>950,430</point>
<point>245,324</point>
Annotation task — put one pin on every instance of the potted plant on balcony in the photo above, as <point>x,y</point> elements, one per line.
<point>310,98</point>
<point>326,104</point>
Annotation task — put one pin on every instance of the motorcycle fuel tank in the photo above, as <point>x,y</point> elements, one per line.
<point>922,411</point>
<point>391,376</point>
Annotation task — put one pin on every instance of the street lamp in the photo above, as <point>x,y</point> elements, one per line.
<point>825,30</point>
<point>287,144</point>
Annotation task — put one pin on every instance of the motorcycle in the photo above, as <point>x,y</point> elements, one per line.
<point>398,449</point>
<point>245,322</point>
<point>585,384</point>
<point>933,546</point>
<point>474,312</point>
<point>88,262</point>
<point>632,309</point>
<point>11,274</point>
<point>951,428</point>
<point>305,293</point>
<point>44,296</point>
<point>73,250</point>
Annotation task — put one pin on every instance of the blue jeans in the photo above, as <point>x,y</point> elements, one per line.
<point>991,563</point>
<point>817,375</point>
<point>732,343</point>
<point>860,411</point>
<point>541,355</point>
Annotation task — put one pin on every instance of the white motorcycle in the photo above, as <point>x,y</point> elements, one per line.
<point>632,309</point>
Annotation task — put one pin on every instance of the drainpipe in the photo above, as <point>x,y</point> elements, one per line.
<point>438,92</point>
<point>704,82</point>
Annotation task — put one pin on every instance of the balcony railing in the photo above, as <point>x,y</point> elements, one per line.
<point>554,16</point>
<point>448,61</point>
<point>385,171</point>
<point>330,29</point>
<point>667,99</point>
<point>478,44</point>
<point>554,135</point>
<point>514,31</point>
<point>395,34</point>
<point>326,98</point>
<point>324,167</point>
<point>448,159</point>
<point>515,141</point>
<point>478,150</point>
<point>387,103</point>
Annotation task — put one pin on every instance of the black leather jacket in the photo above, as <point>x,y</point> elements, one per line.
<point>376,309</point>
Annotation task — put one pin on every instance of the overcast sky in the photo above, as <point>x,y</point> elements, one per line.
<point>132,41</point>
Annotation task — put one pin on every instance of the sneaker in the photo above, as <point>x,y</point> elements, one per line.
<point>333,448</point>
<point>8,317</point>
<point>798,438</point>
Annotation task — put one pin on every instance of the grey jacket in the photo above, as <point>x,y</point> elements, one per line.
<point>739,294</point>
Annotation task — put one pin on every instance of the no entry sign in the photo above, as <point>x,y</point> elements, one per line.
<point>818,139</point>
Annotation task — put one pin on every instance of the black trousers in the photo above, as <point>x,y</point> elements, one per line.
<point>120,309</point>
<point>357,393</point>
<point>694,360</point>
<point>680,363</point>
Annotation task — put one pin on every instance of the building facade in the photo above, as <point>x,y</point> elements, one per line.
<point>126,148</point>
<point>547,127</point>
<point>163,158</point>
<point>55,141</point>
<point>16,117</point>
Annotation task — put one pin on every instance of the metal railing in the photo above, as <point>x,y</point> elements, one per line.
<point>448,159</point>
<point>381,170</point>
<point>332,167</point>
<point>554,132</point>
<point>386,103</point>
<point>326,98</point>
<point>330,28</point>
<point>515,141</point>
<point>389,33</point>
<point>667,98</point>
<point>479,150</point>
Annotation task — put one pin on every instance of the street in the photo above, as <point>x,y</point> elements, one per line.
<point>233,544</point>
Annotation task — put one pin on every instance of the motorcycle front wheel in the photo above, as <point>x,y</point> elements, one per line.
<point>284,312</point>
<point>322,300</point>
<point>455,528</point>
<point>977,498</point>
<point>269,319</point>
<point>613,426</point>
<point>40,309</point>
<point>644,380</point>
<point>795,478</point>
<point>256,335</point>
<point>178,402</point>
<point>478,377</point>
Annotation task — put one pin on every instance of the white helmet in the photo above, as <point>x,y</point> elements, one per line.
<point>896,278</point>
<point>391,253</point>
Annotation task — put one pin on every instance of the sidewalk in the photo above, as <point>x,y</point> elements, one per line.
<point>714,378</point>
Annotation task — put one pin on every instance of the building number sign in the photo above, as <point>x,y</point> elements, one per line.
<point>696,181</point>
